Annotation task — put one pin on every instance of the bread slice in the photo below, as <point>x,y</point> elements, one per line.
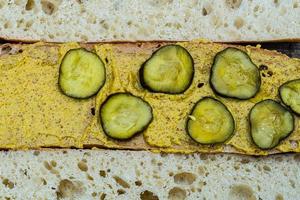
<point>131,20</point>
<point>95,174</point>
<point>64,122</point>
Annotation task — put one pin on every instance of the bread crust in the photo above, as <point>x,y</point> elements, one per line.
<point>23,40</point>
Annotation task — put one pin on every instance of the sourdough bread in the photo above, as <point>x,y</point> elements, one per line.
<point>95,174</point>
<point>111,20</point>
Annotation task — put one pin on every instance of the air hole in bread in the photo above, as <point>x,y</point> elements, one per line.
<point>279,197</point>
<point>44,181</point>
<point>193,189</point>
<point>19,23</point>
<point>121,182</point>
<point>29,5</point>
<point>36,153</point>
<point>82,166</point>
<point>276,1</point>
<point>42,20</point>
<point>121,191</point>
<point>7,25</point>
<point>47,165</point>
<point>69,189</point>
<point>212,157</point>
<point>177,193</point>
<point>206,10</point>
<point>234,4</point>
<point>267,168</point>
<point>256,8</point>
<point>247,170</point>
<point>92,19</point>
<point>292,183</point>
<point>89,177</point>
<point>53,163</point>
<point>238,192</point>
<point>82,9</point>
<point>184,178</point>
<point>203,156</point>
<point>48,7</point>
<point>29,24</point>
<point>245,161</point>
<point>201,170</point>
<point>239,22</point>
<point>8,183</point>
<point>148,195</point>
<point>102,197</point>
<point>104,24</point>
<point>138,183</point>
<point>84,38</point>
<point>295,5</point>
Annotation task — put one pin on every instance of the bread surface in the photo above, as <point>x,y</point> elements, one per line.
<point>131,20</point>
<point>92,174</point>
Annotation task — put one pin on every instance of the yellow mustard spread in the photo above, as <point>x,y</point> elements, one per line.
<point>34,113</point>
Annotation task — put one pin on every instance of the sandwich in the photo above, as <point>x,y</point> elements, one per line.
<point>61,139</point>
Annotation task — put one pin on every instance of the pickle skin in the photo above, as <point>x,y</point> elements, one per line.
<point>136,133</point>
<point>145,86</point>
<point>59,76</point>
<point>280,140</point>
<point>281,98</point>
<point>228,96</point>
<point>189,118</point>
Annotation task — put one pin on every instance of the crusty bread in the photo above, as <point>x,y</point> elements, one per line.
<point>111,20</point>
<point>95,174</point>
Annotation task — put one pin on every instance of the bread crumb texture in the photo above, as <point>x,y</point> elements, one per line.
<point>109,174</point>
<point>58,20</point>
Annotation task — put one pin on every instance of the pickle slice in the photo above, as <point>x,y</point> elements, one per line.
<point>81,74</point>
<point>210,122</point>
<point>233,74</point>
<point>123,115</point>
<point>289,93</point>
<point>270,123</point>
<point>169,70</point>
